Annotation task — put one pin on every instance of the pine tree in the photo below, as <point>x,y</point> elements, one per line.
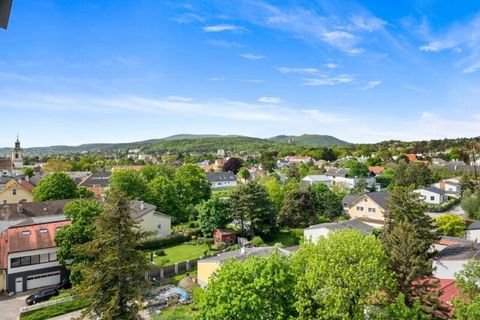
<point>114,278</point>
<point>408,238</point>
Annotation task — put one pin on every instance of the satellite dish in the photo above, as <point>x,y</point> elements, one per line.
<point>5,7</point>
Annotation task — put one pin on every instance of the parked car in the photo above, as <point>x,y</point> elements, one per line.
<point>42,295</point>
<point>65,284</point>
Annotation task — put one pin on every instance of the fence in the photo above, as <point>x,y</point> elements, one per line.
<point>172,270</point>
<point>45,304</point>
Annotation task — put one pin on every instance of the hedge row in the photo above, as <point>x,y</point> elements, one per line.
<point>445,206</point>
<point>160,243</point>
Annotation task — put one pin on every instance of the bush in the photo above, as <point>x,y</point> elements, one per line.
<point>160,253</point>
<point>220,246</point>
<point>159,243</point>
<point>234,247</point>
<point>55,310</point>
<point>257,241</point>
<point>444,206</point>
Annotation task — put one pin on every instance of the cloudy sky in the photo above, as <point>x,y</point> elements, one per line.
<point>117,71</point>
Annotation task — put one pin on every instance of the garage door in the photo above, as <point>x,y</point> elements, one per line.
<point>43,280</point>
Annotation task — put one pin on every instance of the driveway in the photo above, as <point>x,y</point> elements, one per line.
<point>10,307</point>
<point>457,210</point>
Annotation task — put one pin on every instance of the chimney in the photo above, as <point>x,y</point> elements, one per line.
<point>442,185</point>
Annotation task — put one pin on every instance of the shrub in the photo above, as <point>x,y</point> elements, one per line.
<point>444,206</point>
<point>234,247</point>
<point>160,253</point>
<point>220,246</point>
<point>159,243</point>
<point>257,241</point>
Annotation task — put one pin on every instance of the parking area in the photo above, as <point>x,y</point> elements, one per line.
<point>10,306</point>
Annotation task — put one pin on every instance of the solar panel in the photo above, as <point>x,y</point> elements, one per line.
<point>5,7</point>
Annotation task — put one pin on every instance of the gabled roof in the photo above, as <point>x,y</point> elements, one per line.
<point>380,198</point>
<point>316,178</point>
<point>213,177</point>
<point>458,249</point>
<point>334,172</point>
<point>434,190</point>
<point>16,211</point>
<point>376,169</point>
<point>98,179</point>
<point>349,199</point>
<point>347,224</point>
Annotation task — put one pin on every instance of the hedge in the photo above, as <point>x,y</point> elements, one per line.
<point>160,243</point>
<point>445,206</point>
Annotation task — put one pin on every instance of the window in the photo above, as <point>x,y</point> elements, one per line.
<point>53,256</point>
<point>43,230</point>
<point>25,261</point>
<point>15,262</point>
<point>44,258</point>
<point>14,191</point>
<point>360,208</point>
<point>16,155</point>
<point>26,232</point>
<point>432,198</point>
<point>372,210</point>
<point>159,226</point>
<point>35,259</point>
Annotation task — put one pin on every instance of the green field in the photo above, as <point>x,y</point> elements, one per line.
<point>182,253</point>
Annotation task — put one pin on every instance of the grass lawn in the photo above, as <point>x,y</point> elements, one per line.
<point>56,310</point>
<point>286,237</point>
<point>182,253</point>
<point>176,313</point>
<point>177,278</point>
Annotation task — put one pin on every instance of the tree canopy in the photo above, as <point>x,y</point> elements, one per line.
<point>130,182</point>
<point>56,186</point>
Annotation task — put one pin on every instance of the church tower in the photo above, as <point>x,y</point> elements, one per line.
<point>17,158</point>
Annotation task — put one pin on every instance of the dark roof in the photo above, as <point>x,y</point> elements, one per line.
<point>5,164</point>
<point>346,224</point>
<point>220,176</point>
<point>334,172</point>
<point>460,252</point>
<point>474,226</point>
<point>435,190</point>
<point>348,199</point>
<point>380,198</point>
<point>27,210</point>
<point>98,179</point>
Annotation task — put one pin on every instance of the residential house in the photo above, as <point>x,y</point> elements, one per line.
<point>412,157</point>
<point>28,257</point>
<point>226,236</point>
<point>256,173</point>
<point>16,191</point>
<point>453,254</point>
<point>313,233</point>
<point>317,179</point>
<point>376,170</point>
<point>432,195</point>
<point>451,186</point>
<point>339,178</point>
<point>97,182</point>
<point>472,232</point>
<point>221,180</point>
<point>159,224</point>
<point>299,160</point>
<point>207,267</point>
<point>370,206</point>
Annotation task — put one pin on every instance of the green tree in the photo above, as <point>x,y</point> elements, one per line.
<point>298,210</point>
<point>467,305</point>
<point>327,203</point>
<point>150,172</point>
<point>243,174</point>
<point>257,288</point>
<point>338,277</point>
<point>162,193</point>
<point>399,310</point>
<point>192,185</point>
<point>471,203</point>
<point>213,214</point>
<point>408,237</point>
<point>84,193</point>
<point>466,183</point>
<point>28,172</point>
<point>82,213</point>
<point>130,182</point>
<point>357,169</point>
<point>450,225</point>
<point>274,190</point>
<point>250,205</point>
<point>114,279</point>
<point>56,186</point>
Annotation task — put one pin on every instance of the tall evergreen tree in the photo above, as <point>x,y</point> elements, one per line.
<point>298,210</point>
<point>408,237</point>
<point>114,278</point>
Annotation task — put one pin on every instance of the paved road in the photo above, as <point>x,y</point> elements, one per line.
<point>457,210</point>
<point>10,307</point>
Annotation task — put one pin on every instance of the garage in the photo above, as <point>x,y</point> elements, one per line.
<point>43,280</point>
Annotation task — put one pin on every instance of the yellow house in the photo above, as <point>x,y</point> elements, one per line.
<point>159,224</point>
<point>16,191</point>
<point>369,206</point>
<point>206,268</point>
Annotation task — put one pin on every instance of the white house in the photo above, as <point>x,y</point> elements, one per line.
<point>317,179</point>
<point>221,180</point>
<point>451,186</point>
<point>453,254</point>
<point>432,195</point>
<point>472,232</point>
<point>313,233</point>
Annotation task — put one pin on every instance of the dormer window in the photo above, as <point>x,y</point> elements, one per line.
<point>43,230</point>
<point>26,232</point>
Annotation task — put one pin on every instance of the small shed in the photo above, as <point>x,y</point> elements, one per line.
<point>224,235</point>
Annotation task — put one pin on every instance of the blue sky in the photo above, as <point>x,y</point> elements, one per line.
<point>74,72</point>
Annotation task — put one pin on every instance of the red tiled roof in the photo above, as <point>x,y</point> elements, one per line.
<point>26,185</point>
<point>412,157</point>
<point>376,169</point>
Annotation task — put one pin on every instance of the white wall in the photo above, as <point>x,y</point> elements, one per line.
<point>315,234</point>
<point>446,269</point>
<point>431,197</point>
<point>31,267</point>
<point>473,235</point>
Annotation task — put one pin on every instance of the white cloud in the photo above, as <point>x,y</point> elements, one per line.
<point>369,24</point>
<point>332,65</point>
<point>371,84</point>
<point>223,27</point>
<point>270,100</point>
<point>224,44</point>
<point>328,80</point>
<point>188,17</point>
<point>298,70</point>
<point>252,56</point>
<point>179,99</point>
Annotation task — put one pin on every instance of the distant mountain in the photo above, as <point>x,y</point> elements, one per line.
<point>185,143</point>
<point>311,139</point>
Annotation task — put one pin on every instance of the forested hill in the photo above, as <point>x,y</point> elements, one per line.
<point>311,140</point>
<point>176,143</point>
